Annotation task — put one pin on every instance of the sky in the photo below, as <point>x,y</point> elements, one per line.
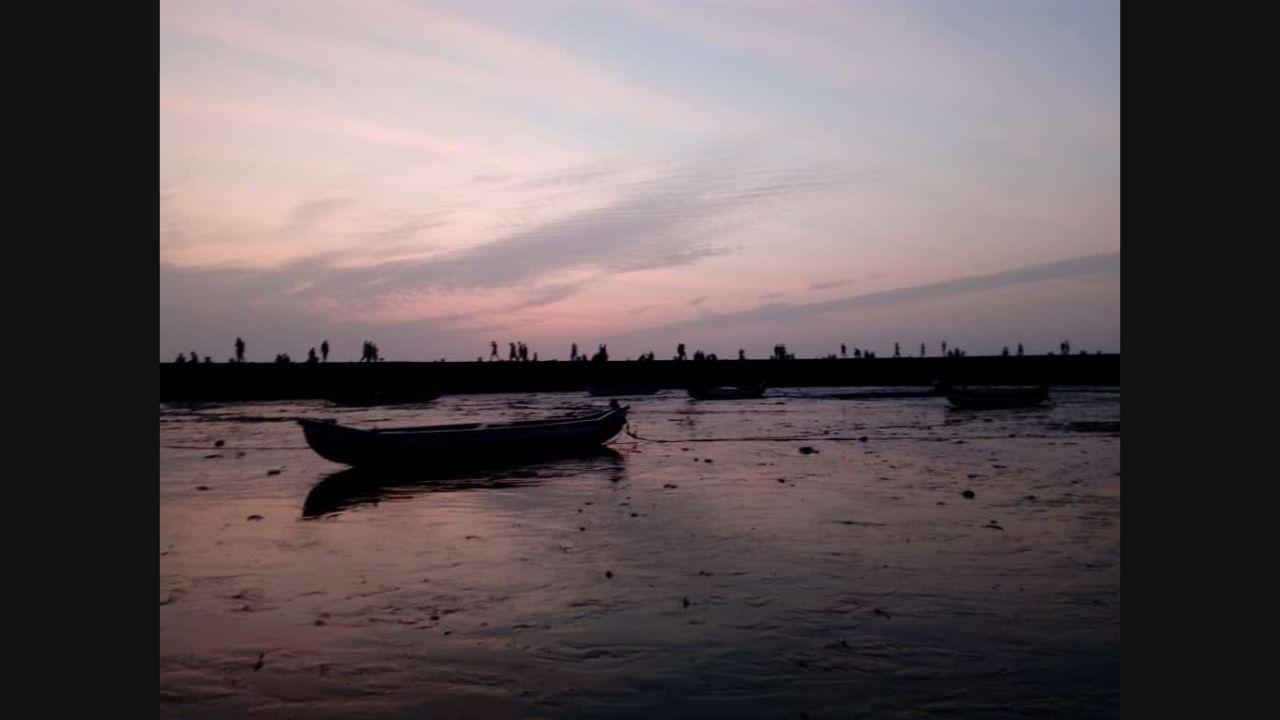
<point>433,176</point>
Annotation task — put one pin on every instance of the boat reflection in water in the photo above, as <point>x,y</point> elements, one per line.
<point>357,486</point>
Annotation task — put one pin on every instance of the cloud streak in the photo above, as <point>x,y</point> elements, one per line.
<point>781,313</point>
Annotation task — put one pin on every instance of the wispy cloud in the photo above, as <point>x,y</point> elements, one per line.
<point>781,313</point>
<point>663,222</point>
<point>830,284</point>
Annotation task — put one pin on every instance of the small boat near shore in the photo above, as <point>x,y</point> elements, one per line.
<point>880,395</point>
<point>993,398</point>
<point>735,392</point>
<point>375,398</point>
<point>621,389</point>
<point>466,443</point>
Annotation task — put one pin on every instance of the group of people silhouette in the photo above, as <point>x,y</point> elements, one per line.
<point>516,352</point>
<point>519,351</point>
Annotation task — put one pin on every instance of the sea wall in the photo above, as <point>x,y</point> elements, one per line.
<point>263,381</point>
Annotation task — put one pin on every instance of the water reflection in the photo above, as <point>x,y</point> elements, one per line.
<point>353,487</point>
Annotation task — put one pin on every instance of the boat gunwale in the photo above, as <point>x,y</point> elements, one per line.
<point>469,428</point>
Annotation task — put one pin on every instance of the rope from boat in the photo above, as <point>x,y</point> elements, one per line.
<point>845,438</point>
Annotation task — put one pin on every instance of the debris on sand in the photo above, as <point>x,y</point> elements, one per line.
<point>670,486</point>
<point>220,443</point>
<point>707,460</point>
<point>273,472</point>
<point>608,573</point>
<point>862,439</point>
<point>686,602</point>
<point>258,665</point>
<point>210,457</point>
<point>806,450</point>
<point>782,480</point>
<point>993,526</point>
<point>967,493</point>
<point>254,517</point>
<point>202,488</point>
<point>883,613</point>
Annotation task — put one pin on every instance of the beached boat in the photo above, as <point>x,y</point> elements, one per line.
<point>972,398</point>
<point>737,392</point>
<point>623,389</point>
<point>435,445</point>
<point>374,398</point>
<point>879,395</point>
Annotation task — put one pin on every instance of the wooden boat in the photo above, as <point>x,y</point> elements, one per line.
<point>740,392</point>
<point>374,398</point>
<point>623,389</point>
<point>970,398</point>
<point>880,395</point>
<point>467,443</point>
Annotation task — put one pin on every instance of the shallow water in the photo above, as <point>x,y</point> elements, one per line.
<point>721,571</point>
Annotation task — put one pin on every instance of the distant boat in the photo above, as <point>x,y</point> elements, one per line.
<point>375,398</point>
<point>971,398</point>
<point>441,445</point>
<point>879,395</point>
<point>737,392</point>
<point>623,389</point>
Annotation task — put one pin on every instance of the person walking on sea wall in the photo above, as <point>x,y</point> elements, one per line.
<point>239,350</point>
<point>324,350</point>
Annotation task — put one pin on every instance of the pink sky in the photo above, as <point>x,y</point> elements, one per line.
<point>434,176</point>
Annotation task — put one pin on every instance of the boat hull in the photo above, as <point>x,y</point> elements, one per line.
<point>461,444</point>
<point>620,390</point>
<point>375,399</point>
<point>997,400</point>
<point>727,393</point>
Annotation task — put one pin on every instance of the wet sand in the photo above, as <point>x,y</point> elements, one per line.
<point>724,571</point>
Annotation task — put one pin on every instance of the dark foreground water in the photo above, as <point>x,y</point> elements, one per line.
<point>725,573</point>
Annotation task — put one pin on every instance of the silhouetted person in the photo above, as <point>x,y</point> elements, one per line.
<point>897,351</point>
<point>1005,352</point>
<point>180,360</point>
<point>324,350</point>
<point>573,352</point>
<point>944,348</point>
<point>1066,347</point>
<point>493,351</point>
<point>742,355</point>
<point>239,350</point>
<point>511,352</point>
<point>680,352</point>
<point>843,351</point>
<point>857,353</point>
<point>208,359</point>
<point>311,356</point>
<point>921,349</point>
<point>1019,349</point>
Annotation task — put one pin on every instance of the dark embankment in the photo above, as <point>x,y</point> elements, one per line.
<point>266,381</point>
